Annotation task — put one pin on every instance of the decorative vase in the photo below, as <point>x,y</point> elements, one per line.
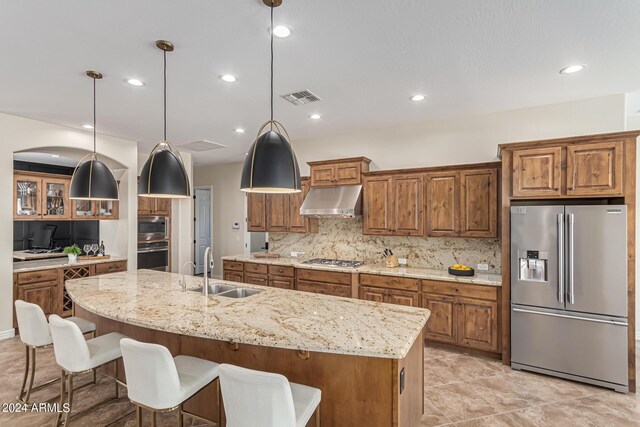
<point>72,258</point>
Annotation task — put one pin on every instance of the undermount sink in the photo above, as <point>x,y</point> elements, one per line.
<point>215,289</point>
<point>240,293</point>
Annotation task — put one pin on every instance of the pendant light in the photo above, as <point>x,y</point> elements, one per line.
<point>271,165</point>
<point>164,174</point>
<point>92,180</point>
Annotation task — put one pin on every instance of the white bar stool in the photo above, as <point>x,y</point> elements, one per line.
<point>75,355</point>
<point>162,383</point>
<point>35,334</point>
<point>262,399</point>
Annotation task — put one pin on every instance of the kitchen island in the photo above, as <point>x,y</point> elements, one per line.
<point>367,358</point>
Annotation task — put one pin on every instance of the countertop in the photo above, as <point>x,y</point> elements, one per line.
<point>416,273</point>
<point>273,318</point>
<point>45,264</point>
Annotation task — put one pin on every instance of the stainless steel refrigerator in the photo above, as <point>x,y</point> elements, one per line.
<point>569,292</point>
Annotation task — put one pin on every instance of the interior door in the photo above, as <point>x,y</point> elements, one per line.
<point>203,226</point>
<point>597,259</point>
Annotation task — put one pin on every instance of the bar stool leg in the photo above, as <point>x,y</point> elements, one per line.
<point>26,374</point>
<point>318,415</point>
<point>180,417</point>
<point>63,382</point>
<point>138,416</point>
<point>153,419</point>
<point>116,381</point>
<point>69,399</point>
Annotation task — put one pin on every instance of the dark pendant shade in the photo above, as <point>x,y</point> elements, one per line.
<point>164,175</point>
<point>92,180</point>
<point>271,166</point>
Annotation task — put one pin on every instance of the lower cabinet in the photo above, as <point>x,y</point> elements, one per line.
<point>233,276</point>
<point>324,282</point>
<point>282,282</point>
<point>44,294</point>
<point>462,314</point>
<point>256,279</point>
<point>389,289</point>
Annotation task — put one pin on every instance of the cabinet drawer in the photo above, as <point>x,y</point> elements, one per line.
<point>324,288</point>
<point>252,267</point>
<point>256,279</point>
<point>233,276</point>
<point>382,281</point>
<point>37,276</point>
<point>460,289</point>
<point>325,276</point>
<point>232,265</point>
<point>281,282</point>
<point>281,270</point>
<point>111,267</point>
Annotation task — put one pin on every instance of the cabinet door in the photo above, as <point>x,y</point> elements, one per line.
<point>323,175</point>
<point>281,282</point>
<point>441,325</point>
<point>479,203</point>
<point>83,209</point>
<point>277,212</point>
<point>477,323</point>
<point>408,202</point>
<point>107,209</point>
<point>146,205</point>
<point>372,294</point>
<point>44,294</point>
<point>537,172</point>
<point>297,223</point>
<point>256,279</point>
<point>595,169</point>
<point>162,206</point>
<point>55,198</point>
<point>407,298</point>
<point>27,197</point>
<point>348,173</point>
<point>233,276</point>
<point>377,205</point>
<point>323,288</point>
<point>256,212</point>
<point>443,204</point>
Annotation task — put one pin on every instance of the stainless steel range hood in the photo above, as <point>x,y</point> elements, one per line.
<point>333,202</point>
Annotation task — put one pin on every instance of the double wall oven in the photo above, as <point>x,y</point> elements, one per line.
<point>153,242</point>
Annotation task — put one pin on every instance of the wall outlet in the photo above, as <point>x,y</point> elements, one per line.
<point>402,261</point>
<point>235,226</point>
<point>483,267</point>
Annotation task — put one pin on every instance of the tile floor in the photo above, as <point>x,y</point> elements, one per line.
<point>460,390</point>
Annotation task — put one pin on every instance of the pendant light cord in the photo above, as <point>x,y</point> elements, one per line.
<point>165,95</point>
<point>94,115</point>
<point>271,66</point>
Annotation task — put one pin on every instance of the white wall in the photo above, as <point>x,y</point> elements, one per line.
<point>17,133</point>
<point>228,207</point>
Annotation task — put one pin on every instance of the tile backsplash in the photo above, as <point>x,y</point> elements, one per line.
<point>343,239</point>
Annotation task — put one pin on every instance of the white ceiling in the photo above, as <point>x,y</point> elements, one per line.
<point>364,58</point>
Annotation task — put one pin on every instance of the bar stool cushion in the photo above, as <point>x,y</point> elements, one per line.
<point>74,353</point>
<point>34,329</point>
<point>159,381</point>
<point>305,401</point>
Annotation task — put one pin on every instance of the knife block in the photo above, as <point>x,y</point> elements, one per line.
<point>391,261</point>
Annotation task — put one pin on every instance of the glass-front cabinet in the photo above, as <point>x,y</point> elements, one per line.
<point>55,198</point>
<point>107,209</point>
<point>83,209</point>
<point>27,197</point>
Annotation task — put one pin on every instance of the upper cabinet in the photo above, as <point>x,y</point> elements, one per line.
<point>27,197</point>
<point>393,205</point>
<point>279,213</point>
<point>331,173</point>
<point>152,206</point>
<point>586,166</point>
<point>462,203</point>
<point>38,196</point>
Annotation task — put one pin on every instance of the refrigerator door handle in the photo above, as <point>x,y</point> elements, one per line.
<point>571,299</point>
<point>587,319</point>
<point>561,258</point>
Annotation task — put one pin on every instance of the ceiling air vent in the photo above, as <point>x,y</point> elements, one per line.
<point>302,97</point>
<point>202,145</point>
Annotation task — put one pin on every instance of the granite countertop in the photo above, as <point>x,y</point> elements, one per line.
<point>273,318</point>
<point>45,264</point>
<point>417,273</point>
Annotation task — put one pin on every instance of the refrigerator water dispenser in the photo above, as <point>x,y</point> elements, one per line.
<point>533,265</point>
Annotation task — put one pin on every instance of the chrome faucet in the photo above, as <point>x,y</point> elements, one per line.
<point>183,282</point>
<point>208,265</point>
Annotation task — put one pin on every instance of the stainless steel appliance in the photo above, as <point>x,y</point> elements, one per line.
<point>153,228</point>
<point>569,292</point>
<point>153,255</point>
<point>334,262</point>
<point>333,202</point>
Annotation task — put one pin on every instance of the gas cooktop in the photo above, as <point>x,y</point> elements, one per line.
<point>334,262</point>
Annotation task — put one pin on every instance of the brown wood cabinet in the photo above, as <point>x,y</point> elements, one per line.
<point>323,282</point>
<point>462,203</point>
<point>233,271</point>
<point>389,289</point>
<point>331,173</point>
<point>279,213</point>
<point>393,205</point>
<point>537,172</point>
<point>154,206</point>
<point>462,314</point>
<point>39,196</point>
<point>594,169</point>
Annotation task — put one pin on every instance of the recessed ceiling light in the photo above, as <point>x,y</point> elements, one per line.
<point>572,69</point>
<point>87,126</point>
<point>135,82</point>
<point>238,130</point>
<point>417,98</point>
<point>55,155</point>
<point>228,78</point>
<point>315,116</point>
<point>281,31</point>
